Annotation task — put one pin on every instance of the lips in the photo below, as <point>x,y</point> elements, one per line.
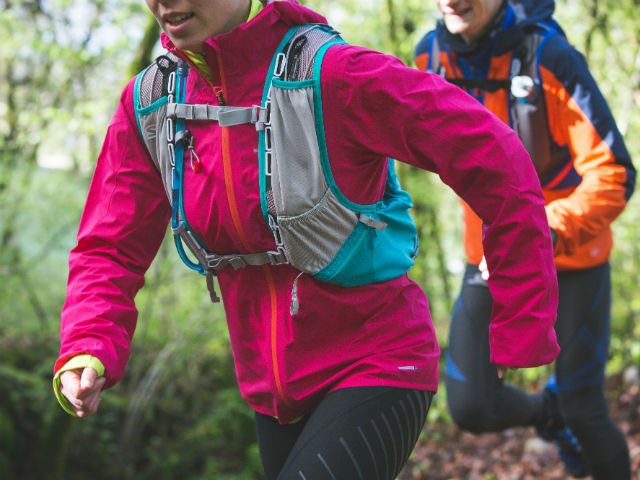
<point>178,18</point>
<point>458,13</point>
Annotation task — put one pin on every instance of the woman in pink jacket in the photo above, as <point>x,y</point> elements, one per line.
<point>341,383</point>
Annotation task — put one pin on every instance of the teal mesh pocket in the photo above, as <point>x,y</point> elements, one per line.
<point>348,268</point>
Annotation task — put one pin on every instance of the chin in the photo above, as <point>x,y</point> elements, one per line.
<point>457,28</point>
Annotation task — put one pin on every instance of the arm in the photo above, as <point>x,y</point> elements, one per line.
<point>580,120</point>
<point>122,226</point>
<point>418,118</point>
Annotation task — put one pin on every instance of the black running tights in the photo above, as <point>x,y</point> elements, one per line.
<point>362,433</point>
<point>480,402</point>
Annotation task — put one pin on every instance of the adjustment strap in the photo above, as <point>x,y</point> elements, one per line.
<point>211,287</point>
<point>225,116</point>
<point>237,261</point>
<point>213,261</point>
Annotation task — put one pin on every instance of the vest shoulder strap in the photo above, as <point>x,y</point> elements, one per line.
<point>326,238</point>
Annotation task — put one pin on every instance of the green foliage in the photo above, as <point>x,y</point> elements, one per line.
<point>608,33</point>
<point>386,25</point>
<point>177,409</point>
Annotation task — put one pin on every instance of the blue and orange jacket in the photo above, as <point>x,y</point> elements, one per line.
<point>591,177</point>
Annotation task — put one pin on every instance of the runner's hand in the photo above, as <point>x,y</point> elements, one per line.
<point>484,270</point>
<point>82,388</point>
<point>502,371</point>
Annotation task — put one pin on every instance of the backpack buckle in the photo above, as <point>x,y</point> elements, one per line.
<point>279,257</point>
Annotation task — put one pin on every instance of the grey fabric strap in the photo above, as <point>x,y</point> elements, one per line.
<point>224,115</point>
<point>242,260</point>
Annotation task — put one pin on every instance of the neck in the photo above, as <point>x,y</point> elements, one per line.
<point>244,14</point>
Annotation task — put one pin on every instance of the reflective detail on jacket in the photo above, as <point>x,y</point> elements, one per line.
<point>340,336</point>
<point>593,177</point>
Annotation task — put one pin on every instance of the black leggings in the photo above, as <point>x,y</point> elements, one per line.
<point>363,433</point>
<point>480,402</point>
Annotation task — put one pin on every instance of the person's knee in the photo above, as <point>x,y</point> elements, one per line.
<point>469,414</point>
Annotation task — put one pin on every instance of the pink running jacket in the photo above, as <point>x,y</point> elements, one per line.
<point>380,334</point>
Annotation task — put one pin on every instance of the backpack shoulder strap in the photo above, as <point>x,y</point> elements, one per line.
<point>152,85</point>
<point>152,92</point>
<point>528,109</point>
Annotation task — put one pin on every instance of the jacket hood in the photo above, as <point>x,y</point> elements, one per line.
<point>528,12</point>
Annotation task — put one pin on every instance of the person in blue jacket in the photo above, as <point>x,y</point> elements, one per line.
<point>515,59</point>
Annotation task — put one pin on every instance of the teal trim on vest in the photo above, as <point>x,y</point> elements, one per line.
<point>320,134</point>
<point>371,255</point>
<point>368,255</point>
<point>181,92</point>
<point>151,108</point>
<point>177,182</point>
<point>136,100</point>
<point>293,85</point>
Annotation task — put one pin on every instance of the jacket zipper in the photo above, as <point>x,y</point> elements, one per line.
<point>235,216</point>
<point>274,333</point>
<point>228,181</point>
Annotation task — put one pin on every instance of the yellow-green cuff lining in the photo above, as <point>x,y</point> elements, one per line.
<point>79,361</point>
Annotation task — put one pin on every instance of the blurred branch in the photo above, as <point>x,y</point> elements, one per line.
<point>30,291</point>
<point>598,23</point>
<point>141,399</point>
<point>144,53</point>
<point>391,32</point>
<point>441,257</point>
<point>634,84</point>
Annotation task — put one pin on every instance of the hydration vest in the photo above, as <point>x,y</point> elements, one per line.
<point>316,228</point>
<point>527,109</point>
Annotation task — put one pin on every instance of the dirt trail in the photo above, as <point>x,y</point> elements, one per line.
<point>446,453</point>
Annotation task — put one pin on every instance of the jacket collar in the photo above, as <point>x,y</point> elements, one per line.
<point>249,33</point>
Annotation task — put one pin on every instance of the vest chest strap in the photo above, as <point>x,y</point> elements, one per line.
<point>214,262</point>
<point>225,116</point>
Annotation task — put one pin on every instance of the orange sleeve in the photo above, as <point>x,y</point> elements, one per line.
<point>588,210</point>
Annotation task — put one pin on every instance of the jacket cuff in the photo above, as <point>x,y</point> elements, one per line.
<point>79,361</point>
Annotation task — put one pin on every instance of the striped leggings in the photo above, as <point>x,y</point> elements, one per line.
<point>363,433</point>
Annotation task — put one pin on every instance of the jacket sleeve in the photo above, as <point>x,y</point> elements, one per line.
<point>418,118</point>
<point>580,120</point>
<point>122,226</point>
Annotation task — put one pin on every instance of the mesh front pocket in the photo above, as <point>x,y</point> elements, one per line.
<point>313,238</point>
<point>298,179</point>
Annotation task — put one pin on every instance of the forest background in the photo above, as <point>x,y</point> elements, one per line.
<point>177,413</point>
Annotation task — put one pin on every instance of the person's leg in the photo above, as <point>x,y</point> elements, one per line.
<point>478,400</point>
<point>583,335</point>
<point>356,433</point>
<point>275,442</point>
